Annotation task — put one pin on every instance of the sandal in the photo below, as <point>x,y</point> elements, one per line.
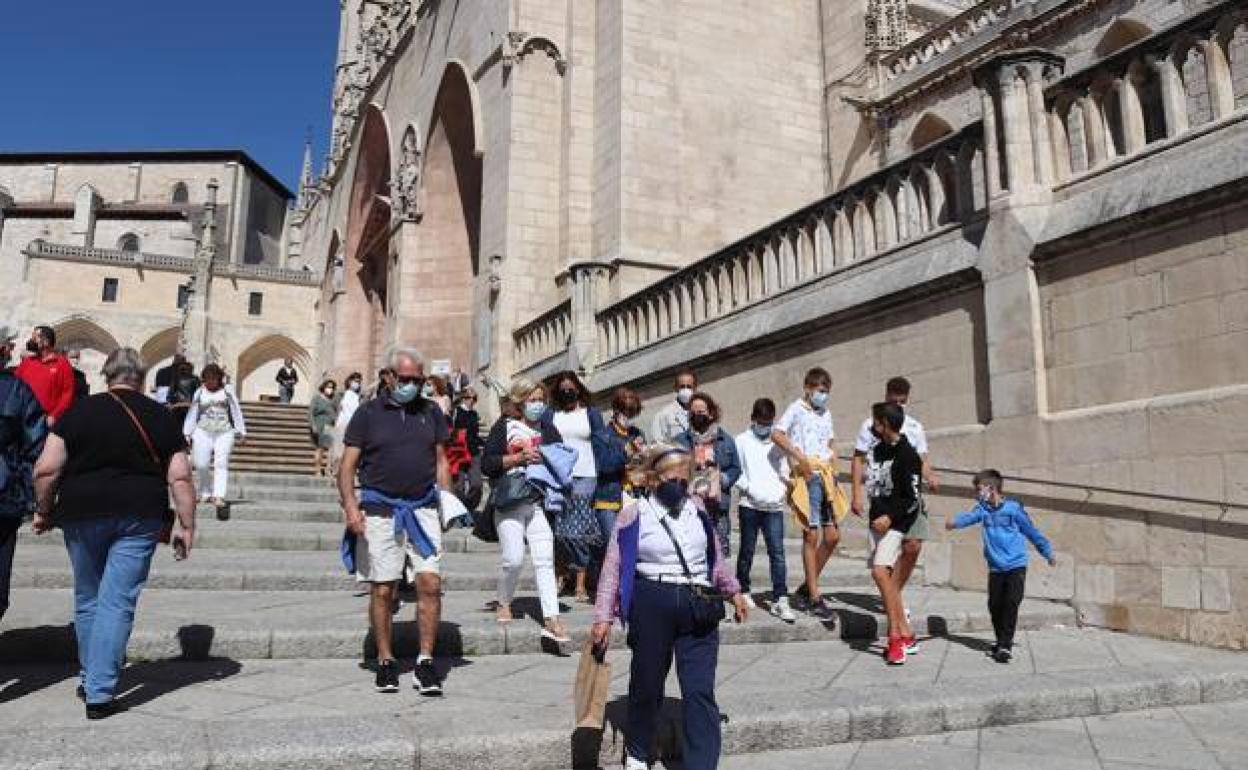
<point>503,614</point>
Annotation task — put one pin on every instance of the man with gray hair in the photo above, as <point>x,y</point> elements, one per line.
<point>397,444</point>
<point>22,431</point>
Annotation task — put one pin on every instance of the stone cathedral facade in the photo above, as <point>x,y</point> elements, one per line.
<point>1034,209</point>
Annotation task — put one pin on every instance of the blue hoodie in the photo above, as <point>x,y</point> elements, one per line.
<point>1005,528</point>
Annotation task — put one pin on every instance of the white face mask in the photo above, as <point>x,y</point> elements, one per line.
<point>624,420</point>
<point>684,395</point>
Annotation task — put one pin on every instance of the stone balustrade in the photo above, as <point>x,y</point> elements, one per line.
<point>1190,76</point>
<point>982,19</point>
<point>41,249</point>
<point>545,336</point>
<point>930,191</point>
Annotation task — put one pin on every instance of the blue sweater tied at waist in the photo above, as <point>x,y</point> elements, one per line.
<point>405,521</point>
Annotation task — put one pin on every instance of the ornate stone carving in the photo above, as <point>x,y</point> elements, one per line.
<point>405,189</point>
<point>886,24</point>
<point>517,45</point>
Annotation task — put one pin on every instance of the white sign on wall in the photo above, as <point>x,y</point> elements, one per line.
<point>440,367</point>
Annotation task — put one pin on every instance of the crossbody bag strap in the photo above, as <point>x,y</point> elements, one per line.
<point>684,565</point>
<point>138,426</point>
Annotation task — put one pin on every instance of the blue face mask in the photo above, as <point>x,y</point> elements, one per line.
<point>533,410</point>
<point>761,431</point>
<point>819,399</point>
<point>405,393</point>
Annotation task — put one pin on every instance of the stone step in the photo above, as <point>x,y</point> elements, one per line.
<point>266,480</point>
<point>46,566</point>
<point>1123,699</point>
<point>329,624</point>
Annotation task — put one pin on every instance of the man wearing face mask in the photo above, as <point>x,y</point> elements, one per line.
<point>397,444</point>
<point>22,432</point>
<point>673,419</point>
<point>48,373</point>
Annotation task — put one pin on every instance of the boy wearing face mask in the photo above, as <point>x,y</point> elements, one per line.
<point>762,488</point>
<point>1006,530</point>
<point>673,419</point>
<point>805,433</point>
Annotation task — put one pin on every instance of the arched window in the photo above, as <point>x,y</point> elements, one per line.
<point>180,193</point>
<point>929,128</point>
<point>129,243</point>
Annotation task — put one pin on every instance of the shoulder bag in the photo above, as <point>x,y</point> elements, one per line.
<point>707,605</point>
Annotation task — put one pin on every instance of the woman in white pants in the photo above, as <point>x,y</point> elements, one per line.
<point>511,447</point>
<point>212,424</point>
<point>348,402</point>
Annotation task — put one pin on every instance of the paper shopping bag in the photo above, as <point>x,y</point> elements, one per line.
<point>593,680</point>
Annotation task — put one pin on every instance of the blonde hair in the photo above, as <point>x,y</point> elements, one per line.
<point>658,456</point>
<point>521,388</point>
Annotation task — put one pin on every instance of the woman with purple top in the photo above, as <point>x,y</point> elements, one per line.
<point>663,577</point>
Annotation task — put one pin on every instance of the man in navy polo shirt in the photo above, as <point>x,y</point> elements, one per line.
<point>397,443</point>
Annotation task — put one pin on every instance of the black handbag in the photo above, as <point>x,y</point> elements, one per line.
<point>510,490</point>
<point>707,604</point>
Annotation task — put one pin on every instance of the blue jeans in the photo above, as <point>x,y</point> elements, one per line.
<point>660,628</point>
<point>820,505</point>
<point>772,525</point>
<point>110,556</point>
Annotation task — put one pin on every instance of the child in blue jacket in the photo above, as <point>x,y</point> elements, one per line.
<point>1007,528</point>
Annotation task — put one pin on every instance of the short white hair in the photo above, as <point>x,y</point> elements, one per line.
<point>124,366</point>
<point>399,352</point>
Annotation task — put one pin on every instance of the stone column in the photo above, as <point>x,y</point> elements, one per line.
<point>1133,133</point>
<point>1042,142</point>
<point>1221,88</point>
<point>992,149</point>
<point>1173,99</point>
<point>588,282</point>
<point>1018,77</point>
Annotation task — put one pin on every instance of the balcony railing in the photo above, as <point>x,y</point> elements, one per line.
<point>937,188</point>
<point>41,249</point>
<point>544,336</point>
<point>983,19</point>
<point>266,273</point>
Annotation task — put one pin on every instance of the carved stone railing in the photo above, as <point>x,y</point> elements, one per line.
<point>41,249</point>
<point>544,336</point>
<point>266,273</point>
<point>1177,81</point>
<point>933,190</point>
<point>983,19</point>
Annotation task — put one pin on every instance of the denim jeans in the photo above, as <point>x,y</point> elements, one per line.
<point>772,525</point>
<point>110,556</point>
<point>8,542</point>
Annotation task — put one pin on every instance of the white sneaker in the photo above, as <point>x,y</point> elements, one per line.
<point>781,609</point>
<point>749,601</point>
<point>632,763</point>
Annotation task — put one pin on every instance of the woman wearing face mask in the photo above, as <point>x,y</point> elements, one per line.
<point>213,423</point>
<point>615,447</point>
<point>346,402</point>
<point>435,391</point>
<point>511,447</point>
<point>715,461</point>
<point>321,416</point>
<point>662,576</point>
<point>576,530</point>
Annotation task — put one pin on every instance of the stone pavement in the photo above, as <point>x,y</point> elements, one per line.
<point>514,711</point>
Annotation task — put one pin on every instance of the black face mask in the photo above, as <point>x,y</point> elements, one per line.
<point>567,396</point>
<point>32,346</point>
<point>700,422</point>
<point>672,494</point>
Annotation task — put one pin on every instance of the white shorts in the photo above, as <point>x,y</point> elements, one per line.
<point>382,556</point>
<point>884,549</point>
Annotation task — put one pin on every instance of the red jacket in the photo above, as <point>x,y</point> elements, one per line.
<point>52,380</point>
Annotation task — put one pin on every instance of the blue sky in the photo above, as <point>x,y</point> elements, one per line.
<point>159,74</point>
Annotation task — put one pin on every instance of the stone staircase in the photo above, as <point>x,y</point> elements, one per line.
<point>250,654</point>
<point>277,440</point>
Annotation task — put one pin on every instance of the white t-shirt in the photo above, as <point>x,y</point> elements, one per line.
<point>912,429</point>
<point>574,427</point>
<point>656,556</point>
<point>809,430</point>
<point>763,470</point>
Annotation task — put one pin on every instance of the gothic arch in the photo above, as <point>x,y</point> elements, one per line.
<point>180,193</point>
<point>459,72</point>
<point>930,128</point>
<point>161,345</point>
<point>272,347</point>
<point>1119,35</point>
<point>81,333</point>
<point>361,325</point>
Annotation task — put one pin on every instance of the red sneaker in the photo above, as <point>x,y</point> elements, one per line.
<point>895,653</point>
<point>911,645</point>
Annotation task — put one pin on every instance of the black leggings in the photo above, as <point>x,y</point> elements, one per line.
<point>1005,593</point>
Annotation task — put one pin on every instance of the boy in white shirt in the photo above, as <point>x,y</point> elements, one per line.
<point>805,434</point>
<point>763,489</point>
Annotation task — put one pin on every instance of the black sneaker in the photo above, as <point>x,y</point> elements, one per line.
<point>387,676</point>
<point>425,679</point>
<point>81,692</point>
<point>992,651</point>
<point>1003,655</point>
<point>102,710</point>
